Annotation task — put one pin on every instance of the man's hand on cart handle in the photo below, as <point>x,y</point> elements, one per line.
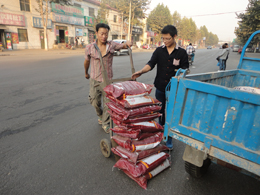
<point>87,76</point>
<point>137,74</point>
<point>128,44</point>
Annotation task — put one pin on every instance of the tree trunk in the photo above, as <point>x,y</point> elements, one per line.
<point>45,25</point>
<point>45,39</point>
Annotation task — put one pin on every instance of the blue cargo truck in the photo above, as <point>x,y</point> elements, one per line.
<point>217,123</point>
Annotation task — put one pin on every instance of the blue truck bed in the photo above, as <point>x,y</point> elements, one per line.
<point>206,112</point>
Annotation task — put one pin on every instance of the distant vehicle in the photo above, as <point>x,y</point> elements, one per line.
<point>235,48</point>
<point>249,49</point>
<point>209,47</point>
<point>121,51</point>
<point>145,46</point>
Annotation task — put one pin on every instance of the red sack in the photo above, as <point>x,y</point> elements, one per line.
<point>158,169</point>
<point>133,134</point>
<point>148,126</point>
<point>136,156</point>
<point>144,135</point>
<point>142,181</point>
<point>135,119</point>
<point>134,101</point>
<point>125,113</point>
<point>144,166</point>
<point>145,144</point>
<point>128,88</point>
<point>123,131</point>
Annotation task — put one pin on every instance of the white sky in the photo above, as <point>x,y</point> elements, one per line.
<point>222,25</point>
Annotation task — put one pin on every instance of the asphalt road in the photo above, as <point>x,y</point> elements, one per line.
<point>49,135</point>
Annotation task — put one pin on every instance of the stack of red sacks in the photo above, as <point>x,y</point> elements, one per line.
<point>138,136</point>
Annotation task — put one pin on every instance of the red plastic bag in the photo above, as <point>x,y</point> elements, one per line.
<point>123,131</point>
<point>134,134</point>
<point>135,101</point>
<point>127,88</point>
<point>144,166</point>
<point>144,135</point>
<point>158,169</point>
<point>136,156</point>
<point>142,181</point>
<point>148,126</point>
<point>145,144</point>
<point>135,119</point>
<point>125,113</point>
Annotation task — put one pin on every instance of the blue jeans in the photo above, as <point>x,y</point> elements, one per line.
<point>161,97</point>
<point>192,57</point>
<point>222,64</point>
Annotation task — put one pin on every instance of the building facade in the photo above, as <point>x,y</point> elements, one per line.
<point>21,26</point>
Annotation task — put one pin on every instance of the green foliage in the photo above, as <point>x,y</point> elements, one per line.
<point>138,9</point>
<point>249,21</point>
<point>103,13</point>
<point>159,18</point>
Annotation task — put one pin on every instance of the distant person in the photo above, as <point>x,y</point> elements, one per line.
<point>168,58</point>
<point>76,40</point>
<point>82,41</point>
<point>191,51</point>
<point>222,58</point>
<point>92,60</point>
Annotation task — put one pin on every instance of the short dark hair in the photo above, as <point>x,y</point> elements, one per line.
<point>225,45</point>
<point>102,25</point>
<point>190,44</point>
<point>169,29</point>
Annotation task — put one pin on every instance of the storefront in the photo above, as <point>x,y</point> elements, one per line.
<point>37,23</point>
<point>89,23</point>
<point>9,22</point>
<point>136,33</point>
<point>69,22</point>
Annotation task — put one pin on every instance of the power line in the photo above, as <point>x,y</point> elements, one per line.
<point>217,13</point>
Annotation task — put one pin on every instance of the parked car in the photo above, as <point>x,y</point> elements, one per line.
<point>145,46</point>
<point>249,49</point>
<point>235,48</point>
<point>121,51</point>
<point>209,47</point>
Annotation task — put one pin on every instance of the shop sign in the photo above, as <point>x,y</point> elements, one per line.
<point>12,19</point>
<point>15,39</point>
<point>79,32</point>
<point>68,19</point>
<point>67,10</point>
<point>89,21</point>
<point>37,22</point>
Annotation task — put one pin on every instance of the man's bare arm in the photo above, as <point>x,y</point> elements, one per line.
<point>86,66</point>
<point>145,69</point>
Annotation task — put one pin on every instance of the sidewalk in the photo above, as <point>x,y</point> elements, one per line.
<point>51,51</point>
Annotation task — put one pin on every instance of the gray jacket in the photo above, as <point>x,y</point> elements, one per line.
<point>224,54</point>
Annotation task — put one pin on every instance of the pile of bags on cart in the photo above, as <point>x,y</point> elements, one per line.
<point>137,133</point>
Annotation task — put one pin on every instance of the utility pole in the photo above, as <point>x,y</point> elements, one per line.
<point>122,25</point>
<point>129,22</point>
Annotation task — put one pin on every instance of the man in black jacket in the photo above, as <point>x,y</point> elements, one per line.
<point>169,58</point>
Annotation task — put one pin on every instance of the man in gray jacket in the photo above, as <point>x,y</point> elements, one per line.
<point>222,58</point>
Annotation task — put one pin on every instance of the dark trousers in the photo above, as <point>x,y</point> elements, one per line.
<point>161,97</point>
<point>223,65</point>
